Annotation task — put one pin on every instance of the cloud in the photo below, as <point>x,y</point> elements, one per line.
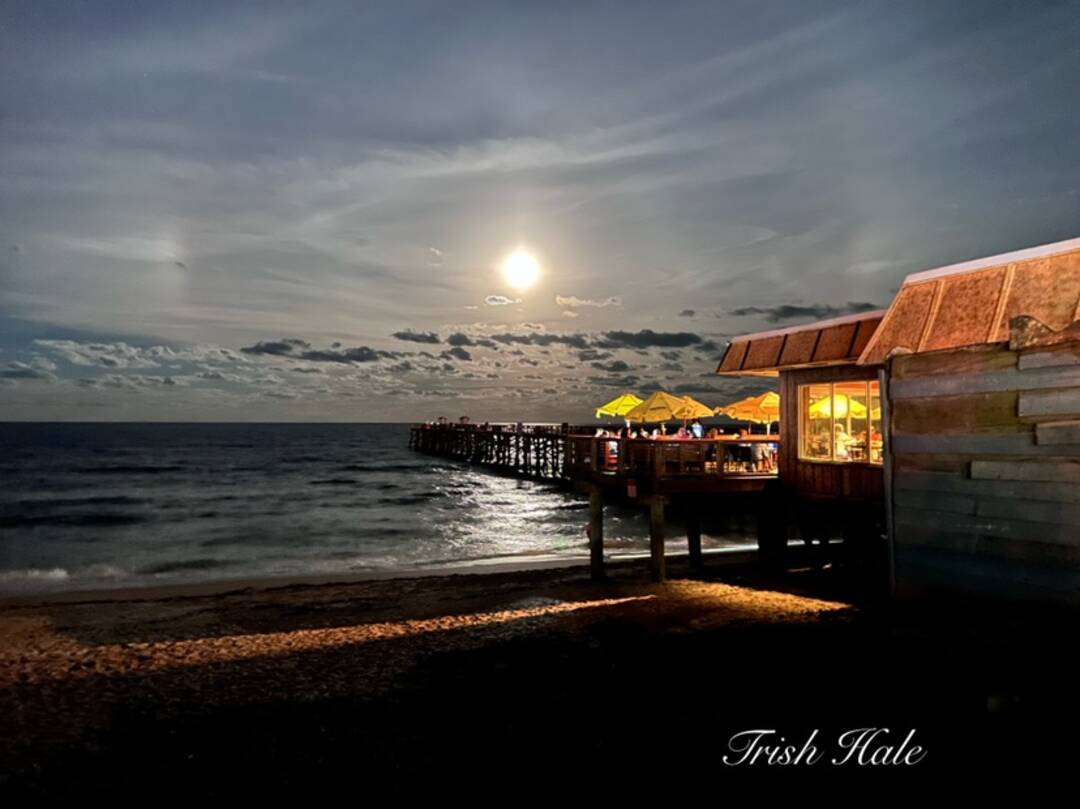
<point>458,353</point>
<point>790,311</point>
<point>615,367</point>
<point>417,337</point>
<point>20,370</point>
<point>278,348</point>
<point>574,303</point>
<point>571,313</point>
<point>500,300</point>
<point>630,381</point>
<point>106,355</point>
<point>301,349</point>
<point>542,339</point>
<point>647,338</point>
<point>687,313</point>
<point>461,339</point>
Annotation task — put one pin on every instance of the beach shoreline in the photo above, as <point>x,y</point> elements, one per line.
<point>723,555</point>
<point>308,682</point>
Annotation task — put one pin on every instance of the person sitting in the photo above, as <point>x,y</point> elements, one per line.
<point>697,430</point>
<point>841,444</point>
<point>682,433</point>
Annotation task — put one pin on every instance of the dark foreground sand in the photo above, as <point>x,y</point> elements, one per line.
<point>529,677</point>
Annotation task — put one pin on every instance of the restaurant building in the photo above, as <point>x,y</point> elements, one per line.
<point>950,424</point>
<point>831,455</point>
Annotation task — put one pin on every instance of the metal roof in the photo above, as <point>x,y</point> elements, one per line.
<point>837,341</point>
<point>972,303</point>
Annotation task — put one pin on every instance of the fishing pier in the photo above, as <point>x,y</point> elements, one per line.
<point>650,472</point>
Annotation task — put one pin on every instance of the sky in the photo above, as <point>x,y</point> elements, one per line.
<point>299,211</point>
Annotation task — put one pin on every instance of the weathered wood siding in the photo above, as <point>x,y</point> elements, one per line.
<point>986,472</point>
<point>817,479</point>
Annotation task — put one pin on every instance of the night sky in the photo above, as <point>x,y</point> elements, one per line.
<point>299,211</point>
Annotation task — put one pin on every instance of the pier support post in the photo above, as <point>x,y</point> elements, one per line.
<point>596,533</point>
<point>657,567</point>
<point>693,536</point>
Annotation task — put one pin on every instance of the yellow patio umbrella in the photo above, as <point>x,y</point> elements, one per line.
<point>761,409</point>
<point>824,408</point>
<point>619,406</point>
<point>662,406</point>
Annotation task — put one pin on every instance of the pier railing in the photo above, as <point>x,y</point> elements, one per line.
<point>573,453</point>
<point>670,458</point>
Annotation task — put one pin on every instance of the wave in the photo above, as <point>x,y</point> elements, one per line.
<point>78,520</point>
<point>411,499</point>
<point>127,469</point>
<point>33,575</point>
<point>68,502</point>
<point>333,482</point>
<point>180,566</point>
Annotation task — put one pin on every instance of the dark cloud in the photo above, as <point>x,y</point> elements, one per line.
<point>687,313</point>
<point>278,348</point>
<point>790,311</point>
<point>417,336</point>
<point>592,355</point>
<point>457,352</point>
<point>459,339</point>
<point>301,349</point>
<point>647,338</point>
<point>543,339</point>
<point>615,367</point>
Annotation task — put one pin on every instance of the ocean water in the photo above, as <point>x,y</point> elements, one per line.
<point>88,506</point>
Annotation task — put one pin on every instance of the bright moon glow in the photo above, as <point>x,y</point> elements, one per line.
<point>521,269</point>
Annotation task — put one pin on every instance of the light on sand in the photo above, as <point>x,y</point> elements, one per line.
<point>521,269</point>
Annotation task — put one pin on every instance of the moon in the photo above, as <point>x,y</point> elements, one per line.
<point>520,269</point>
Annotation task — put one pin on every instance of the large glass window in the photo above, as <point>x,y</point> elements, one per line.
<point>840,421</point>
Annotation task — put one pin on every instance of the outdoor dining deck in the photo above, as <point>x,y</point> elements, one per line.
<point>659,466</point>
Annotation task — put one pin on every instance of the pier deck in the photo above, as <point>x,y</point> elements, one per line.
<point>648,471</point>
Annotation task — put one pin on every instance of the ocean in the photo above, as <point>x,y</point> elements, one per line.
<point>105,505</point>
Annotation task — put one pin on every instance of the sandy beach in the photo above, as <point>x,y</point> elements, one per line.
<point>275,685</point>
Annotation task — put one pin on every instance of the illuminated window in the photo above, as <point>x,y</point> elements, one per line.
<point>840,421</point>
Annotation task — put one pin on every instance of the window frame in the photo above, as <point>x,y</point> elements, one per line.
<point>803,396</point>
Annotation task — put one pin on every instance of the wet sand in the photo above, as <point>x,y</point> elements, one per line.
<point>279,686</point>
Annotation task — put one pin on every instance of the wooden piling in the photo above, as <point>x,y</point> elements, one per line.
<point>657,567</point>
<point>596,533</point>
<point>693,536</point>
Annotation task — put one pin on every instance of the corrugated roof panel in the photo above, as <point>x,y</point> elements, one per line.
<point>1047,289</point>
<point>965,310</point>
<point>799,348</point>
<point>903,325</point>
<point>834,343</point>
<point>763,353</point>
<point>866,331</point>
<point>734,356</point>
<point>972,303</point>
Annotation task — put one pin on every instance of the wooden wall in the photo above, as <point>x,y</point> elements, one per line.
<point>985,491</point>
<point>816,479</point>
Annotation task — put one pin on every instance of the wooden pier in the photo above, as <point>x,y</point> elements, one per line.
<point>650,472</point>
